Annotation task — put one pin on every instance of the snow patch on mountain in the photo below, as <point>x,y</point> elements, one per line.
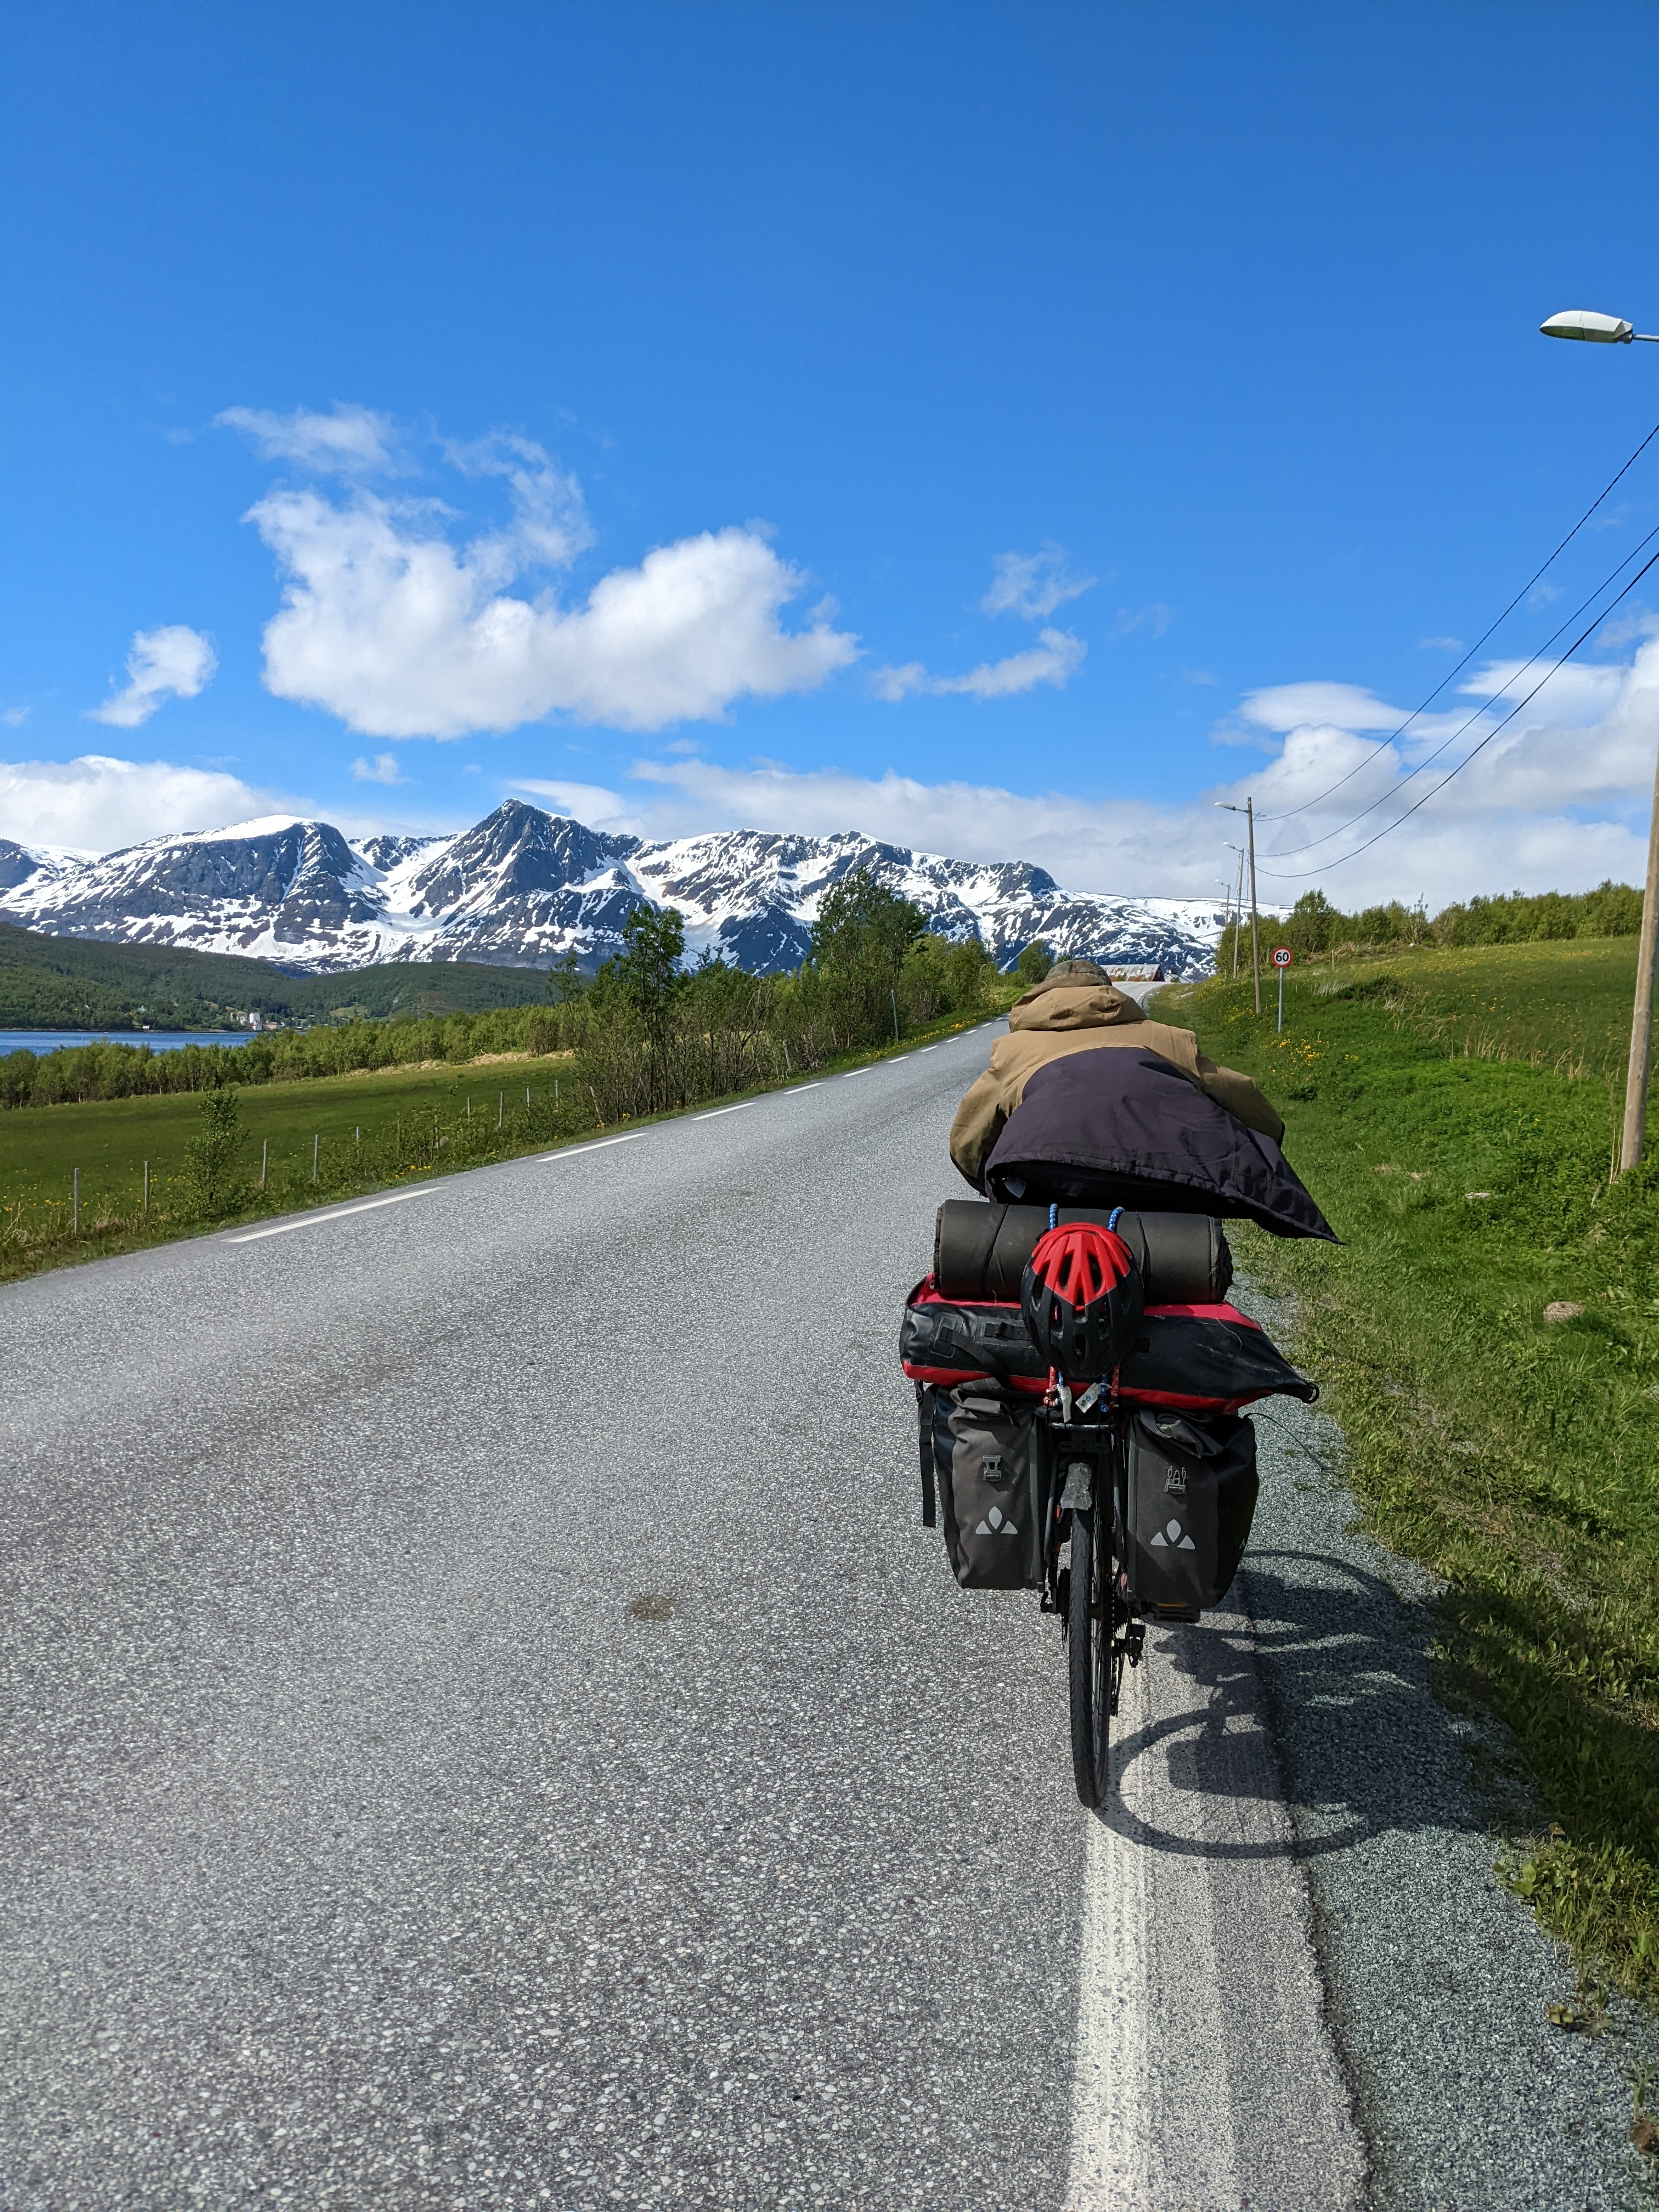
<point>523,889</point>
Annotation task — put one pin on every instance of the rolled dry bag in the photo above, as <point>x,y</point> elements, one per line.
<point>1192,1492</point>
<point>1205,1359</point>
<point>979,1251</point>
<point>989,1463</point>
<point>1209,1358</point>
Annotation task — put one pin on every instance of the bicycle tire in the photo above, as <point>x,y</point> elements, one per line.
<point>1089,1657</point>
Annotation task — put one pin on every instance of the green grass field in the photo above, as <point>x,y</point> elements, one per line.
<point>375,1128</point>
<point>1453,1113</point>
<point>109,1140</point>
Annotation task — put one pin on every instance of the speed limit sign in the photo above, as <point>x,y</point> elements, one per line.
<point>1281,956</point>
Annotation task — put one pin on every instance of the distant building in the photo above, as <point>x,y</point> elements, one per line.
<point>1155,974</point>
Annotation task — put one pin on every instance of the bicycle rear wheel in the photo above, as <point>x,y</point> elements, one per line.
<point>1089,1651</point>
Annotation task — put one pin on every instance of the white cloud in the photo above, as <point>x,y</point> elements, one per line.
<point>1557,800</point>
<point>592,803</point>
<point>1032,584</point>
<point>170,663</point>
<point>401,634</point>
<point>348,439</point>
<point>1053,659</point>
<point>1285,706</point>
<point>1440,644</point>
<point>1156,618</point>
<point>383,768</point>
<point>95,803</point>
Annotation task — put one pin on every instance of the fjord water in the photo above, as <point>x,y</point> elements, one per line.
<point>157,1040</point>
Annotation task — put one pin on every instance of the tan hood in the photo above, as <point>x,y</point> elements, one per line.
<point>1074,1006</point>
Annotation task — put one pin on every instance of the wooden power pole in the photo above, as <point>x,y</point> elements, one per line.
<point>1641,1027</point>
<point>1256,947</point>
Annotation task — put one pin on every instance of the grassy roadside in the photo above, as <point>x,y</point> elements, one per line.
<point>1453,1113</point>
<point>375,1131</point>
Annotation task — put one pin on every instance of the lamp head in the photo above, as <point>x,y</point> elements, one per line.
<point>1584,324</point>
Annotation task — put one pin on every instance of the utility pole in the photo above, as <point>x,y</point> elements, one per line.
<point>1586,326</point>
<point>1247,810</point>
<point>1641,1027</point>
<point>1255,949</point>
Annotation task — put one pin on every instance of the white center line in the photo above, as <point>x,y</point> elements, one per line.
<point>575,1152</point>
<point>336,1214</point>
<point>718,1110</point>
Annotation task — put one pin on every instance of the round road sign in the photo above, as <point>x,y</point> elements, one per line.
<point>1281,956</point>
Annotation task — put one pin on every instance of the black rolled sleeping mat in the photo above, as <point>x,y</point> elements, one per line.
<point>980,1250</point>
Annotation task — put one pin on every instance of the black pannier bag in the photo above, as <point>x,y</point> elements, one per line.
<point>983,1447</point>
<point>1192,1492</point>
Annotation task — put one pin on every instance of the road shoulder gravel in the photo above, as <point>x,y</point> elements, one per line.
<point>1437,1977</point>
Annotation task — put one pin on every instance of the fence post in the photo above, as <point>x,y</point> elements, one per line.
<point>893,995</point>
<point>147,1190</point>
<point>316,1147</point>
<point>75,1203</point>
<point>264,1162</point>
<point>501,1107</point>
<point>358,1132</point>
<point>527,1095</point>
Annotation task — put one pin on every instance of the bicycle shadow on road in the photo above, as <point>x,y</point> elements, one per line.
<point>1295,1721</point>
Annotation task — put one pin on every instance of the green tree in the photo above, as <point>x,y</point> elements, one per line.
<point>647,981</point>
<point>859,943</point>
<point>210,1176</point>
<point>565,980</point>
<point>1033,964</point>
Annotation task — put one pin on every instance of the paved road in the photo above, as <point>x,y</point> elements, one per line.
<point>486,1730</point>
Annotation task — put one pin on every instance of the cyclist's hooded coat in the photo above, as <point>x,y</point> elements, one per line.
<point>1087,1101</point>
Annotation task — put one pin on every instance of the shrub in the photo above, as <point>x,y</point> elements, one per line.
<point>210,1177</point>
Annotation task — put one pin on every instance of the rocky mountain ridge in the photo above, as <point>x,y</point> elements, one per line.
<point>523,888</point>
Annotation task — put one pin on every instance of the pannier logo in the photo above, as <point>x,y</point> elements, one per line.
<point>1174,1539</point>
<point>1175,1483</point>
<point>993,1524</point>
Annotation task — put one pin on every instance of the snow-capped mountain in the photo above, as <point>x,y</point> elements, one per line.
<point>523,888</point>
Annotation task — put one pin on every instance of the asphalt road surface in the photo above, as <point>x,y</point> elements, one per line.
<point>485,1728</point>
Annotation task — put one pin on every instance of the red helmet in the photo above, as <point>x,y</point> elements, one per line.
<point>1081,1297</point>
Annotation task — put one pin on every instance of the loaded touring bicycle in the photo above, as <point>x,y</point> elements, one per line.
<point>1080,1377</point>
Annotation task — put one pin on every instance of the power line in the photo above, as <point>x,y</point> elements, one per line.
<point>1429,759</point>
<point>1301,874</point>
<point>1417,711</point>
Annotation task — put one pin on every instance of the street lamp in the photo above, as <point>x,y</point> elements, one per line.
<point>1247,810</point>
<point>1609,329</point>
<point>1599,329</point>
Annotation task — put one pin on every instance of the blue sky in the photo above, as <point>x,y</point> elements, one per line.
<point>1005,429</point>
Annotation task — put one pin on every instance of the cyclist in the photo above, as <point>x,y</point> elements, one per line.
<point>1076,1008</point>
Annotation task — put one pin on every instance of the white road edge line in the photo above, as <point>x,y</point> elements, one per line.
<point>852,1072</point>
<point>334,1213</point>
<point>575,1152</point>
<point>1163,1977</point>
<point>795,1089</point>
<point>718,1110</point>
